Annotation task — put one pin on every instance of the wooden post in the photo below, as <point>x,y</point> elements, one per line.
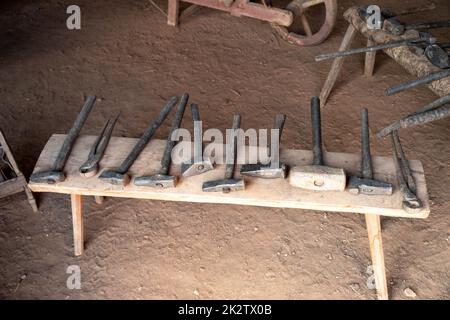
<point>99,199</point>
<point>31,199</point>
<point>77,220</point>
<point>337,65</point>
<point>173,12</point>
<point>370,59</point>
<point>376,251</point>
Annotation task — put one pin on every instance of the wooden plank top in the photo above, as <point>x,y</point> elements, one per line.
<point>258,192</point>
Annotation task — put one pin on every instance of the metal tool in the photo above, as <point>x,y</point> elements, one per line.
<point>429,113</point>
<point>56,173</point>
<point>423,37</point>
<point>366,184</point>
<point>386,13</point>
<point>415,83</point>
<point>162,179</point>
<point>90,167</point>
<point>229,183</point>
<point>119,175</point>
<point>405,179</point>
<point>266,171</point>
<point>198,164</point>
<point>437,56</point>
<point>317,176</point>
<point>397,28</point>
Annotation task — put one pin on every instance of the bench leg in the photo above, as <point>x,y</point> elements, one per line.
<point>370,59</point>
<point>337,65</point>
<point>77,220</point>
<point>31,199</point>
<point>99,199</point>
<point>376,251</point>
<point>173,12</point>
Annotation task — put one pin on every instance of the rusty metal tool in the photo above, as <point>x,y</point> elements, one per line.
<point>229,183</point>
<point>366,184</point>
<point>90,167</point>
<point>397,28</point>
<point>423,38</point>
<point>405,179</point>
<point>317,176</point>
<point>438,56</point>
<point>56,173</point>
<point>429,113</point>
<point>162,179</point>
<point>415,83</point>
<point>119,175</point>
<point>198,164</point>
<point>266,171</point>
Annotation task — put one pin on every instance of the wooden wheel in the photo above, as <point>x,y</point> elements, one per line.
<point>310,36</point>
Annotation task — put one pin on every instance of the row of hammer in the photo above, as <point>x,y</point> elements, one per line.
<point>316,176</point>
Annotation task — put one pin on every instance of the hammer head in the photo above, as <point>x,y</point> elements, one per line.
<point>357,185</point>
<point>89,171</point>
<point>196,168</point>
<point>157,180</point>
<point>115,177</point>
<point>393,26</point>
<point>264,171</point>
<point>224,185</point>
<point>319,178</point>
<point>49,177</point>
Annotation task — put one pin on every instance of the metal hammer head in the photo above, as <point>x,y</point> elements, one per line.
<point>157,180</point>
<point>49,177</point>
<point>317,177</point>
<point>89,170</point>
<point>357,185</point>
<point>264,171</point>
<point>224,185</point>
<point>115,177</point>
<point>195,168</point>
<point>393,26</point>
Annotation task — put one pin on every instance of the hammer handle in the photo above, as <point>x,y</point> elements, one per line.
<point>366,159</point>
<point>414,83</point>
<point>64,152</point>
<point>232,149</point>
<point>198,146</point>
<point>142,142</point>
<point>316,132</point>
<point>165,161</point>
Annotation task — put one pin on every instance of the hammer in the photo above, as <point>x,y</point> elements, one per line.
<point>162,179</point>
<point>119,175</point>
<point>228,183</point>
<point>199,164</point>
<point>56,174</point>
<point>267,171</point>
<point>317,176</point>
<point>367,185</point>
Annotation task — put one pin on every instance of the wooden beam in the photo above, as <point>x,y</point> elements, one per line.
<point>370,59</point>
<point>376,252</point>
<point>77,221</point>
<point>173,12</point>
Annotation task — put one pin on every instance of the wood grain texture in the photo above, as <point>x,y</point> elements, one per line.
<point>78,224</point>
<point>258,192</point>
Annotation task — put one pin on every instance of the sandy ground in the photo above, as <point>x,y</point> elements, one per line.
<point>127,55</point>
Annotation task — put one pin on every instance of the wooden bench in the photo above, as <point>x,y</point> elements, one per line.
<point>259,192</point>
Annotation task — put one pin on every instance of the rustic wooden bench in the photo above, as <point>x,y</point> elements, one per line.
<point>259,192</point>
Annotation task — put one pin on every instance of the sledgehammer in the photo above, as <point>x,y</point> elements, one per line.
<point>317,176</point>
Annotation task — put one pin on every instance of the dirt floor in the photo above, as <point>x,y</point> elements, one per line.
<point>127,55</point>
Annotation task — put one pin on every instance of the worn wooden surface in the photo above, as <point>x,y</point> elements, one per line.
<point>417,65</point>
<point>259,192</point>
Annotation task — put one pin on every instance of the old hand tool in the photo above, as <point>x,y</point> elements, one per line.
<point>56,174</point>
<point>423,37</point>
<point>367,185</point>
<point>162,179</point>
<point>429,113</point>
<point>404,176</point>
<point>397,28</point>
<point>119,175</point>
<point>228,183</point>
<point>415,83</point>
<point>199,164</point>
<point>438,56</point>
<point>90,167</point>
<point>317,176</point>
<point>266,171</point>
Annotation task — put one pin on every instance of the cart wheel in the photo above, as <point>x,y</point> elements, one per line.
<point>300,8</point>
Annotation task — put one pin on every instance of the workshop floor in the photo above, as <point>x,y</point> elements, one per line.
<point>127,55</point>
